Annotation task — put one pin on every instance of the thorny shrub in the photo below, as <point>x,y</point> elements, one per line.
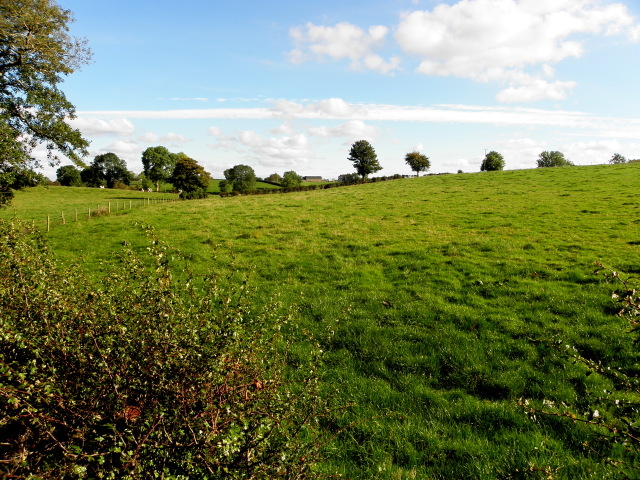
<point>613,414</point>
<point>140,375</point>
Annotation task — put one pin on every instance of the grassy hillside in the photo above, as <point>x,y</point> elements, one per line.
<point>434,300</point>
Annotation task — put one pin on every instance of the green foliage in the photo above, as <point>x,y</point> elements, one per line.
<point>617,159</point>
<point>493,161</point>
<point>364,158</point>
<point>274,178</point>
<point>141,375</point>
<point>418,162</point>
<point>190,177</point>
<point>36,52</point>
<point>553,159</point>
<point>612,413</point>
<point>68,176</point>
<point>434,300</point>
<point>13,177</point>
<point>240,178</point>
<point>158,164</point>
<point>145,183</point>
<point>106,169</point>
<point>349,178</point>
<point>291,179</point>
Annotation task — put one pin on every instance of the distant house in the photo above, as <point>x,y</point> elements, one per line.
<point>312,179</point>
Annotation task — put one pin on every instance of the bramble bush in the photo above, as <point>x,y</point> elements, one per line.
<point>612,413</point>
<point>141,375</point>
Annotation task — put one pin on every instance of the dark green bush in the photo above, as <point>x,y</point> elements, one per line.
<point>140,375</point>
<point>193,194</point>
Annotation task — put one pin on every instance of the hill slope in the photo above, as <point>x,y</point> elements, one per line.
<point>434,300</point>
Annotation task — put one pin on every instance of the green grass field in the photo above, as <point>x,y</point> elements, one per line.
<point>434,299</point>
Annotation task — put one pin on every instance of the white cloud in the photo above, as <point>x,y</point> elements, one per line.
<point>286,151</point>
<point>175,138</point>
<point>534,89</point>
<point>354,129</point>
<point>96,126</point>
<point>148,137</point>
<point>509,41</point>
<point>337,109</point>
<point>592,151</point>
<point>283,129</point>
<point>344,41</point>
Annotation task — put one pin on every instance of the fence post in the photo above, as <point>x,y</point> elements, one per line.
<point>63,222</point>
<point>109,207</point>
<point>48,223</point>
<point>76,214</point>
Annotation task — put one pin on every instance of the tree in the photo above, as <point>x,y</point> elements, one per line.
<point>92,176</point>
<point>190,177</point>
<point>418,162</point>
<point>108,168</point>
<point>364,158</point>
<point>36,53</point>
<point>158,164</point>
<point>617,158</point>
<point>68,176</point>
<point>240,178</point>
<point>274,178</point>
<point>553,159</point>
<point>291,179</point>
<point>493,161</point>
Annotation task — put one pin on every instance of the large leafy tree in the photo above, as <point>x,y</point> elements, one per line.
<point>36,53</point>
<point>68,176</point>
<point>493,161</point>
<point>240,178</point>
<point>553,159</point>
<point>291,179</point>
<point>190,177</point>
<point>158,164</point>
<point>364,158</point>
<point>418,162</point>
<point>106,168</point>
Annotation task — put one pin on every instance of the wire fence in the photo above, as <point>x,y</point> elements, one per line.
<point>78,214</point>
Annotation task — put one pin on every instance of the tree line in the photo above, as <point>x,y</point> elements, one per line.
<point>160,166</point>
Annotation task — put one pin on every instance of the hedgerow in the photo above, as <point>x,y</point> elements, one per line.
<point>141,375</point>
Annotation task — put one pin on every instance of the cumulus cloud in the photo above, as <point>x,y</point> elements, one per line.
<point>514,43</point>
<point>509,41</point>
<point>344,41</point>
<point>271,151</point>
<point>95,126</point>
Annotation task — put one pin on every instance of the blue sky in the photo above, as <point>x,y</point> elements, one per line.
<point>290,85</point>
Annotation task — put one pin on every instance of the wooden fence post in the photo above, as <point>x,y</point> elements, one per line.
<point>63,222</point>
<point>48,223</point>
